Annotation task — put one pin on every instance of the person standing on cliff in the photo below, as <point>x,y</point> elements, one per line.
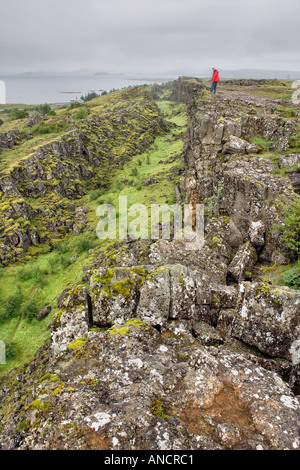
<point>214,80</point>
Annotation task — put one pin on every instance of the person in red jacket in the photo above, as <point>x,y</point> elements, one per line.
<point>214,81</point>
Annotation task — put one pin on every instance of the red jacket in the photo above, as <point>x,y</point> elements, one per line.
<point>215,77</point>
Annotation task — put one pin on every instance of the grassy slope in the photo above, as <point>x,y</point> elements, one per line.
<point>50,273</point>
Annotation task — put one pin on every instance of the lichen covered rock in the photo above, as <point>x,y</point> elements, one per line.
<point>154,390</point>
<point>268,317</point>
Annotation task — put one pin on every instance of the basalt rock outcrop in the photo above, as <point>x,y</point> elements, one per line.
<point>225,168</point>
<point>58,172</point>
<point>171,346</point>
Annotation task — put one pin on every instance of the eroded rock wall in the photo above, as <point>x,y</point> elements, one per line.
<point>168,348</point>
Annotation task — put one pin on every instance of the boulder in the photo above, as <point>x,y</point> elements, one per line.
<point>157,295</point>
<point>243,263</point>
<point>268,317</point>
<point>288,160</point>
<point>257,233</point>
<point>235,145</point>
<point>44,312</point>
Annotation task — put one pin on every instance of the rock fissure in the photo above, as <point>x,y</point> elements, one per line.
<point>164,347</point>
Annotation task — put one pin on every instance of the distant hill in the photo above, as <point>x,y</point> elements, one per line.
<point>257,73</point>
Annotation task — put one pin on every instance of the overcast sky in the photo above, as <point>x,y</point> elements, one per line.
<point>149,36</point>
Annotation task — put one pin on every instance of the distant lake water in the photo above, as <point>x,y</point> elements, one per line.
<point>44,88</point>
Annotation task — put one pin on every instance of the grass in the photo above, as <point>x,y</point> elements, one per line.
<point>294,141</point>
<point>54,275</point>
<point>278,89</point>
<point>286,112</point>
<point>285,171</point>
<point>30,335</point>
<point>155,164</point>
<point>264,143</point>
<point>283,275</point>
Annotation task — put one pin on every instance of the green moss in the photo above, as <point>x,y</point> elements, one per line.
<point>55,378</point>
<point>125,329</point>
<point>24,425</point>
<point>45,377</point>
<point>38,405</point>
<point>183,357</point>
<point>247,274</point>
<point>58,389</point>
<point>158,408</point>
<point>76,344</point>
<point>116,330</point>
<point>106,279</point>
<point>138,323</point>
<point>138,270</point>
<point>265,288</point>
<point>95,278</point>
<point>90,382</point>
<point>123,287</point>
<point>156,272</point>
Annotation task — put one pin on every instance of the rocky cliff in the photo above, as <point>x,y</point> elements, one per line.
<point>164,347</point>
<point>39,188</point>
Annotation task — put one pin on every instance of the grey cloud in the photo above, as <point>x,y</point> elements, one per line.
<point>148,35</point>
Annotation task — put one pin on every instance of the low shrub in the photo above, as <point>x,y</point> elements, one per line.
<point>291,277</point>
<point>10,306</point>
<point>81,114</point>
<point>11,350</point>
<point>290,229</point>
<point>29,309</point>
<point>96,193</point>
<point>43,108</point>
<point>85,242</point>
<point>52,127</point>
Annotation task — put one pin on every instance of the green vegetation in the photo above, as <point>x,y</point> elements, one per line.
<point>149,176</point>
<point>283,275</point>
<point>96,193</point>
<point>11,304</point>
<point>286,112</point>
<point>158,408</point>
<point>49,127</point>
<point>285,171</point>
<point>214,203</point>
<point>264,143</point>
<point>76,344</point>
<point>89,96</point>
<point>290,228</point>
<point>11,114</point>
<point>294,141</point>
<point>291,277</point>
<point>19,114</point>
<point>82,113</point>
<point>289,232</point>
<point>277,89</point>
<point>136,161</point>
<point>42,280</point>
<point>43,108</point>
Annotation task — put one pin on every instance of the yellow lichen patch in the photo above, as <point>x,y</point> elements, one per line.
<point>76,344</point>
<point>119,330</point>
<point>124,329</point>
<point>138,323</point>
<point>38,405</point>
